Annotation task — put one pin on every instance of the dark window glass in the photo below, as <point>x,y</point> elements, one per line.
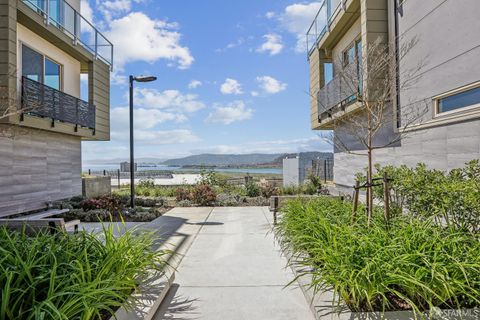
<point>52,74</point>
<point>32,64</point>
<point>459,100</point>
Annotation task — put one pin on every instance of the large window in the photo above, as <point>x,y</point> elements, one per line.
<point>464,99</point>
<point>39,68</point>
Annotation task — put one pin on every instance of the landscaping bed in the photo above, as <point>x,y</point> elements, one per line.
<point>73,276</point>
<point>422,260</point>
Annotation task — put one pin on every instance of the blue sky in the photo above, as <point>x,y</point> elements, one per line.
<point>232,76</point>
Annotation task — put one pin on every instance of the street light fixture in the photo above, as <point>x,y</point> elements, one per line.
<point>132,158</point>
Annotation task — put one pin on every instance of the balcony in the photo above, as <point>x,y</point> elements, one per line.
<point>43,101</point>
<point>329,9</point>
<point>65,18</point>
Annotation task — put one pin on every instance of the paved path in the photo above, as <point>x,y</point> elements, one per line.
<point>230,268</point>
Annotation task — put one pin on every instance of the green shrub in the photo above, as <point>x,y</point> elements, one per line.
<point>449,198</point>
<point>412,264</point>
<point>252,189</point>
<point>66,276</point>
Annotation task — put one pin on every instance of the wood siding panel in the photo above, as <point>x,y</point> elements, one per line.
<point>38,166</point>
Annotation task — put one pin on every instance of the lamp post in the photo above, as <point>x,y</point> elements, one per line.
<point>132,158</point>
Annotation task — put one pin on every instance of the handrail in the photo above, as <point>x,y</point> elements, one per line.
<point>324,17</point>
<point>41,100</point>
<point>73,24</point>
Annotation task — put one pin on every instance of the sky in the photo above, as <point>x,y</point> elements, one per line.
<point>232,77</point>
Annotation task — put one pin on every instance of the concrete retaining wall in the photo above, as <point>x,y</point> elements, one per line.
<point>96,186</point>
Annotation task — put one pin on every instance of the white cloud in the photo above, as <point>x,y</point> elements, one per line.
<point>254,94</point>
<point>231,86</point>
<point>271,85</point>
<point>143,118</point>
<point>86,10</point>
<point>231,45</point>
<point>270,15</point>
<point>194,84</point>
<point>166,137</point>
<point>114,8</point>
<point>137,37</point>
<point>235,111</point>
<point>168,100</point>
<point>297,18</point>
<point>272,45</point>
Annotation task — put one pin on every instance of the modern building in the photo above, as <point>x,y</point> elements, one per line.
<point>295,170</point>
<point>125,167</point>
<point>446,49</point>
<point>47,50</point>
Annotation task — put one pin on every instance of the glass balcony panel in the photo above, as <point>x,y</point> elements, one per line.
<point>63,16</point>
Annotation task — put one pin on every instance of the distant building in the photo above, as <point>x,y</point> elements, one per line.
<point>125,167</point>
<point>295,170</point>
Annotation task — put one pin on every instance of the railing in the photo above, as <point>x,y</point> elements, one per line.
<point>44,101</point>
<point>63,16</point>
<point>321,24</point>
<point>339,91</point>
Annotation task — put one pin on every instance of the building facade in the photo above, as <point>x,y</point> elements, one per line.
<point>445,53</point>
<point>47,49</point>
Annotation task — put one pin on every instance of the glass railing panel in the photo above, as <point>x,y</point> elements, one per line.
<point>87,34</point>
<point>334,7</point>
<point>63,16</point>
<point>104,49</point>
<point>318,27</point>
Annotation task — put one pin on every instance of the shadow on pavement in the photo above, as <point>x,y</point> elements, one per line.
<point>176,307</point>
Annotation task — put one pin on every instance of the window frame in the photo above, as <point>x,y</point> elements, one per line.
<point>44,56</point>
<point>436,101</point>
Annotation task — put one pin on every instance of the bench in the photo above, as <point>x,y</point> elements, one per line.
<point>33,226</point>
<point>40,221</point>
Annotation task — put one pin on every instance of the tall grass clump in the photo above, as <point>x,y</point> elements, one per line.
<point>73,276</point>
<point>409,264</point>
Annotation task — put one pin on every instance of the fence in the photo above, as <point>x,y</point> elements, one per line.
<point>323,168</point>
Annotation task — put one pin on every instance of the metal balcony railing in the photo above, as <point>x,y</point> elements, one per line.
<point>63,16</point>
<point>323,19</point>
<point>340,91</point>
<point>43,101</point>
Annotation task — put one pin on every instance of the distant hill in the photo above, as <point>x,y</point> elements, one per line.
<point>222,159</point>
<point>254,159</point>
<point>309,156</point>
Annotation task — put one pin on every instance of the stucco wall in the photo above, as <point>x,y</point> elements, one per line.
<point>70,66</point>
<point>447,49</point>
<point>444,148</point>
<point>446,54</point>
<point>37,166</point>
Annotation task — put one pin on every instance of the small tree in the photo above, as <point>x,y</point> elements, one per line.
<point>373,80</point>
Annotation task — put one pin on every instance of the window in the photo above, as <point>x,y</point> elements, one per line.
<point>349,56</point>
<point>39,68</point>
<point>328,72</point>
<point>467,98</point>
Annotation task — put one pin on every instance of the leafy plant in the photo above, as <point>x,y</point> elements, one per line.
<point>449,198</point>
<point>203,195</point>
<point>183,194</point>
<point>112,203</point>
<point>411,265</point>
<point>67,276</point>
<point>252,189</point>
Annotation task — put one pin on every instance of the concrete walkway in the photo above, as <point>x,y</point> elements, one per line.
<point>229,267</point>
